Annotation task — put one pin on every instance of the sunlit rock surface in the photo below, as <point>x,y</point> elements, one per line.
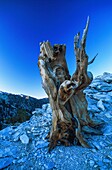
<point>25,147</point>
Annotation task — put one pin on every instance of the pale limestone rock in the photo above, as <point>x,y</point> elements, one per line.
<point>24,139</point>
<point>100,105</point>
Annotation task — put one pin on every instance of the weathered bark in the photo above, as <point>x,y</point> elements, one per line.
<point>69,106</point>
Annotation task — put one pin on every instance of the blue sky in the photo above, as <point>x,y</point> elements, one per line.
<point>25,23</point>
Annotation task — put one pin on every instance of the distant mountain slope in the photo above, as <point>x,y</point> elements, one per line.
<point>17,108</point>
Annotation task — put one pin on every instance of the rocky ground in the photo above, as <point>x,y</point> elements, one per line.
<point>24,147</point>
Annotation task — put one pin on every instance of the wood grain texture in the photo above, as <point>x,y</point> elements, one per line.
<point>65,92</point>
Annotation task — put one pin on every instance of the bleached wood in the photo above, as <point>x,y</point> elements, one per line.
<point>65,92</point>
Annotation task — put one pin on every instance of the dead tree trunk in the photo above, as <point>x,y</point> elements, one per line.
<point>69,106</point>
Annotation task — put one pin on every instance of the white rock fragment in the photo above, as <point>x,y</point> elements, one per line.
<point>47,108</point>
<point>34,112</point>
<point>93,150</point>
<point>95,166</point>
<point>38,112</point>
<point>44,107</point>
<point>100,105</point>
<point>92,163</point>
<point>16,136</point>
<point>24,139</point>
<point>109,114</point>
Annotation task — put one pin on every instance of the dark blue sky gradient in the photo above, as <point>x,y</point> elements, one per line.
<point>23,24</point>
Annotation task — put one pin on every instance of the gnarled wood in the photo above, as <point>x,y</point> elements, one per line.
<point>65,92</point>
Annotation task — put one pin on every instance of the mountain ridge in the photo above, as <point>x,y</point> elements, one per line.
<point>17,108</point>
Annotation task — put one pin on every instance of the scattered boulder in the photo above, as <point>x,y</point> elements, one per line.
<point>24,139</point>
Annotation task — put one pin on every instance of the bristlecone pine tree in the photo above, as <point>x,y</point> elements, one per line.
<point>70,117</point>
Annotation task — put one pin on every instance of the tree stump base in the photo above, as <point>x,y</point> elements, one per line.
<point>69,105</point>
